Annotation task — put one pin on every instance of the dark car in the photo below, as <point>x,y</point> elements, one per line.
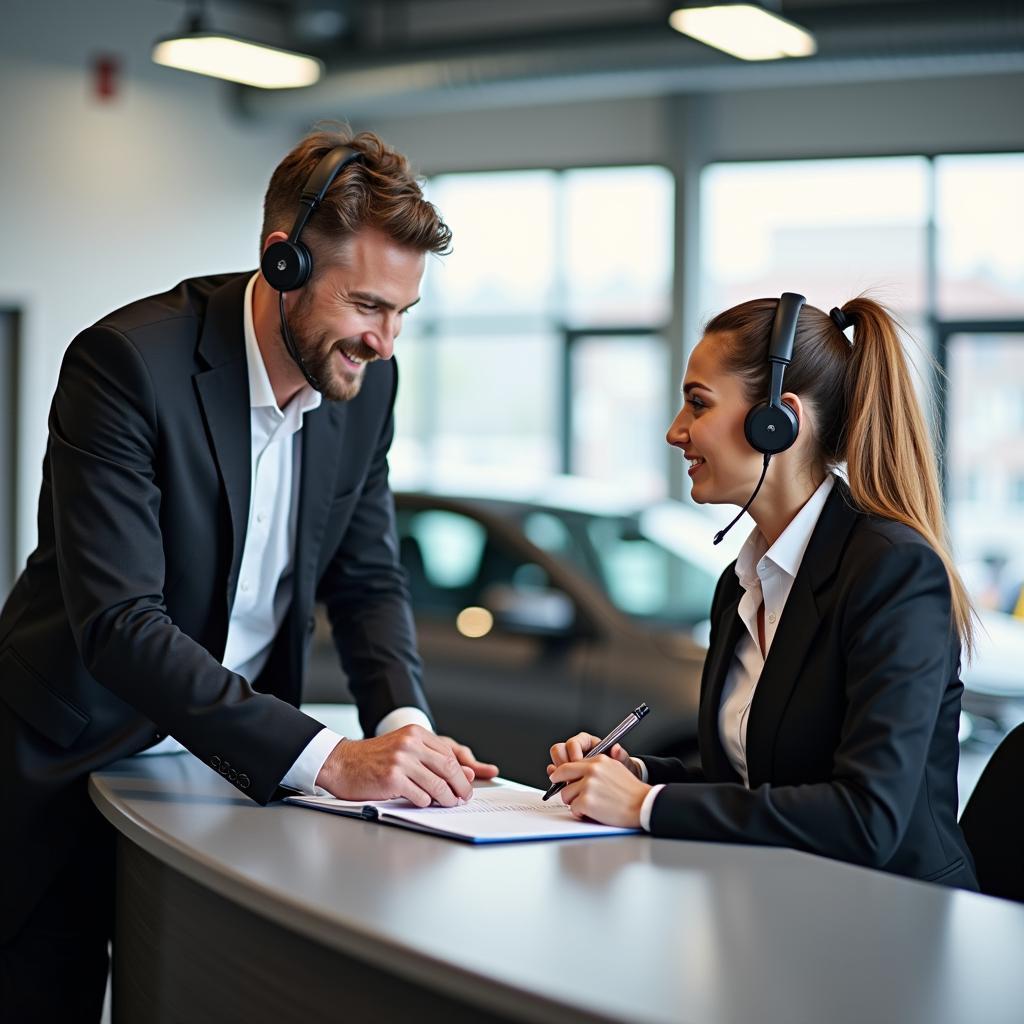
<point>538,620</point>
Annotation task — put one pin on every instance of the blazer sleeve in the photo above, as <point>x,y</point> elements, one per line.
<point>896,629</point>
<point>366,594</point>
<point>103,442</point>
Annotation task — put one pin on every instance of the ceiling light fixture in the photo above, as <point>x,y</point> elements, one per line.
<point>222,55</point>
<point>745,30</point>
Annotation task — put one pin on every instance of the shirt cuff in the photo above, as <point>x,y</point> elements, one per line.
<point>302,775</point>
<point>400,718</point>
<point>648,806</point>
<point>641,768</point>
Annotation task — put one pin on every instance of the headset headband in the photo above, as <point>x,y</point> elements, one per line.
<point>319,182</point>
<point>780,348</point>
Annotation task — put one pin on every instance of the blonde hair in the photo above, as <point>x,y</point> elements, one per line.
<point>866,412</point>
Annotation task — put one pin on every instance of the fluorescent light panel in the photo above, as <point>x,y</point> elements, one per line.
<point>220,56</point>
<point>744,30</point>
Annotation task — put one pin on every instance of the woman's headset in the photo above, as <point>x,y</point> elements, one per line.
<point>772,427</point>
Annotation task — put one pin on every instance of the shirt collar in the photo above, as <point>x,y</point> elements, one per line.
<point>788,550</point>
<point>261,394</point>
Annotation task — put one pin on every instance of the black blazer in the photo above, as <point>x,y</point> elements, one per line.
<point>113,635</point>
<point>852,738</point>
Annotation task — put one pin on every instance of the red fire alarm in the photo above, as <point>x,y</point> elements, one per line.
<point>106,70</point>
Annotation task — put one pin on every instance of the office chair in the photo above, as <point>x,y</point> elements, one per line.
<point>993,820</point>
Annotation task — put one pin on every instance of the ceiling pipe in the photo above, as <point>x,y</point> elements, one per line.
<point>649,60</point>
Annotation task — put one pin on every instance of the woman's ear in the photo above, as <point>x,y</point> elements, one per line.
<point>805,419</point>
<point>793,401</point>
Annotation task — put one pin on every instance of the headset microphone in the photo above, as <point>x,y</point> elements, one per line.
<point>772,427</point>
<point>288,265</point>
<point>721,533</point>
<point>293,349</point>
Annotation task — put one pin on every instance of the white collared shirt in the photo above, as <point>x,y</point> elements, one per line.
<point>766,575</point>
<point>266,572</point>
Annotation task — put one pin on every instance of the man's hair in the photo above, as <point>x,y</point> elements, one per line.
<point>380,191</point>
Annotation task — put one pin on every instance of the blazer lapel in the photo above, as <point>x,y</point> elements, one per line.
<point>322,432</point>
<point>716,765</point>
<point>797,630</point>
<point>223,391</point>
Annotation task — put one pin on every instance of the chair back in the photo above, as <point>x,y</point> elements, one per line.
<point>993,820</point>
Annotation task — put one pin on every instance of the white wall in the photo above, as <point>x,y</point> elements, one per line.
<point>967,113</point>
<point>972,114</point>
<point>556,135</point>
<point>103,202</point>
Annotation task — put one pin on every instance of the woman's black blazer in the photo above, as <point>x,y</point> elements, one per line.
<point>852,745</point>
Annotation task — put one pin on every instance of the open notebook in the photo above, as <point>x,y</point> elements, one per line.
<point>500,812</point>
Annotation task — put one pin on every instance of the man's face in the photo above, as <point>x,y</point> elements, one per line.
<point>351,311</point>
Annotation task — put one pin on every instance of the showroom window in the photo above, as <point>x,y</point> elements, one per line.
<point>540,347</point>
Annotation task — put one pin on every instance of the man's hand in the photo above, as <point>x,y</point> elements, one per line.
<point>466,757</point>
<point>410,762</point>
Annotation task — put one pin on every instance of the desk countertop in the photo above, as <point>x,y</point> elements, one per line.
<point>624,928</point>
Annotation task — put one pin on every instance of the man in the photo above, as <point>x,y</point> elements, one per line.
<point>217,461</point>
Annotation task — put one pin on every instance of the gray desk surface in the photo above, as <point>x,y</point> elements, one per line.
<point>620,928</point>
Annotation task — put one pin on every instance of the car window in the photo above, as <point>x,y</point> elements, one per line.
<point>450,545</point>
<point>646,580</point>
<point>453,563</point>
<point>552,534</point>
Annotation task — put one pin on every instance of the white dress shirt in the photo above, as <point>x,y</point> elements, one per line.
<point>266,572</point>
<point>766,575</point>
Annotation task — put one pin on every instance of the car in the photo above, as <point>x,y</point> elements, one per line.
<point>537,618</point>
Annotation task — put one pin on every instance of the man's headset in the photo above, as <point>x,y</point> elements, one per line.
<point>288,265</point>
<point>772,427</point>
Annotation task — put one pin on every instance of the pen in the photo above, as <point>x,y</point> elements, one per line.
<point>607,743</point>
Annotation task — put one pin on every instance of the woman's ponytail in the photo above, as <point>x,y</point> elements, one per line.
<point>890,459</point>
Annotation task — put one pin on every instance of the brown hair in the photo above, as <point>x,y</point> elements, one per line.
<point>864,410</point>
<point>380,191</point>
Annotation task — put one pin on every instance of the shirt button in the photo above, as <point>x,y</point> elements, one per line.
<point>245,586</point>
<point>771,618</point>
<point>261,517</point>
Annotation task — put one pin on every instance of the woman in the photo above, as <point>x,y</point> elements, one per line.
<point>830,697</point>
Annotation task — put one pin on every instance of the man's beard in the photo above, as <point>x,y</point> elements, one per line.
<point>338,382</point>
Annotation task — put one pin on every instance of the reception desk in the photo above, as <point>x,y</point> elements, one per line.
<point>232,912</point>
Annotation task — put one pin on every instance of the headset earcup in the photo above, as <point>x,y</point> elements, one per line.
<point>771,429</point>
<point>286,265</point>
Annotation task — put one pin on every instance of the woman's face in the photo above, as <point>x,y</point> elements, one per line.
<point>723,468</point>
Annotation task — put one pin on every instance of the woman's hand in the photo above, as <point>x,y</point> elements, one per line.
<point>576,748</point>
<point>601,788</point>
